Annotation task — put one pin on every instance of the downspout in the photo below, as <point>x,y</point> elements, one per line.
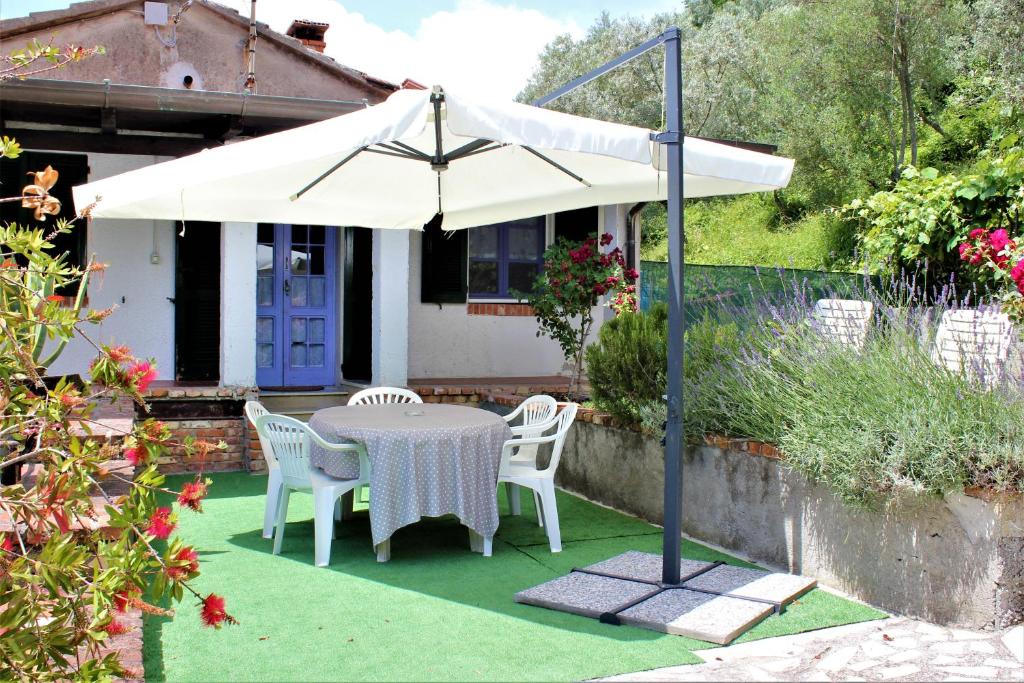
<point>250,77</point>
<point>632,224</point>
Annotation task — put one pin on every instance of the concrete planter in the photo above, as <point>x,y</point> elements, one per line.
<point>958,560</point>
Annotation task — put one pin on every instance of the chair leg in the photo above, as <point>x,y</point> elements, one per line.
<point>323,525</point>
<point>547,496</point>
<point>488,544</point>
<point>512,493</point>
<point>540,510</point>
<point>270,509</point>
<point>282,515</point>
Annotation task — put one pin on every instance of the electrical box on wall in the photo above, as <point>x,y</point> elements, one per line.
<point>155,13</point>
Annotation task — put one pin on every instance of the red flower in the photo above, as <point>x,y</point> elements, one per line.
<point>1017,275</point>
<point>71,401</point>
<point>119,354</point>
<point>632,274</point>
<point>976,233</point>
<point>611,281</point>
<point>141,374</point>
<point>125,598</point>
<point>599,289</point>
<point>160,524</point>
<point>116,628</point>
<point>192,495</point>
<point>606,239</point>
<point>134,455</point>
<point>965,251</point>
<point>7,544</point>
<point>213,611</point>
<point>185,571</point>
<point>55,298</point>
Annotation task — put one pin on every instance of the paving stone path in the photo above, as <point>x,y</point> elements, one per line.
<point>895,649</point>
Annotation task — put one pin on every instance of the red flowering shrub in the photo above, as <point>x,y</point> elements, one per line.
<point>576,278</point>
<point>997,260</point>
<point>63,578</point>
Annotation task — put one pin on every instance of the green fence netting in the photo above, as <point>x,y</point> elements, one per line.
<point>718,288</point>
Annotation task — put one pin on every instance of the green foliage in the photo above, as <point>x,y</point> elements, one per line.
<point>749,230</point>
<point>627,364</point>
<point>576,278</point>
<point>927,215</point>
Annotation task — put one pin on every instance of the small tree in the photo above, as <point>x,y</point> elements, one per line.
<point>63,578</point>
<point>576,278</point>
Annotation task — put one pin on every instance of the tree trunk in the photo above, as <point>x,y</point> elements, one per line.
<point>907,89</point>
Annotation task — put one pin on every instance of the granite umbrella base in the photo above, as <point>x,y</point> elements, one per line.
<point>714,601</point>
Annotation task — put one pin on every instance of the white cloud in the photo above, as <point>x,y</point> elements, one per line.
<point>481,46</point>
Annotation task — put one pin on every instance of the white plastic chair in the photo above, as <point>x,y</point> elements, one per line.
<point>976,343</point>
<point>380,395</point>
<point>254,410</point>
<point>524,471</point>
<point>846,321</point>
<point>536,410</point>
<point>291,441</point>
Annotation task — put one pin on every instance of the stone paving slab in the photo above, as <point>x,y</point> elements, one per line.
<point>713,618</point>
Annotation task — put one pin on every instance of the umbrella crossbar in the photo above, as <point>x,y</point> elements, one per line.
<point>658,587</point>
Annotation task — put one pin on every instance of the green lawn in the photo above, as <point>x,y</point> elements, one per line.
<point>435,611</point>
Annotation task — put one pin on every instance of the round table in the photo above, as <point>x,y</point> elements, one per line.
<point>427,460</point>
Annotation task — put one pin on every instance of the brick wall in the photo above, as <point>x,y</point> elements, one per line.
<point>230,430</point>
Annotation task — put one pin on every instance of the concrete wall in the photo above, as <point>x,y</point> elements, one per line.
<point>238,304</point>
<point>206,46</point>
<point>144,319</point>
<point>958,560</point>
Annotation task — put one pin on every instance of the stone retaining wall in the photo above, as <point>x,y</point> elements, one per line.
<point>957,560</point>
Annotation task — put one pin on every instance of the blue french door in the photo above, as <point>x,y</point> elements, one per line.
<point>296,313</point>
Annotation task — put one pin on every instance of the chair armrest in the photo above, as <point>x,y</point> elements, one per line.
<point>515,413</point>
<point>511,444</point>
<point>351,447</point>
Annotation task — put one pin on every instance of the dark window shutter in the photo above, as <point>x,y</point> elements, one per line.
<point>444,271</point>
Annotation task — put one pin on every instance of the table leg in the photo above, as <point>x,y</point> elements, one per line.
<point>383,550</point>
<point>480,544</point>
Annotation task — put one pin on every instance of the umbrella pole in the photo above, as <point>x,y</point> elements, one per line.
<point>674,429</point>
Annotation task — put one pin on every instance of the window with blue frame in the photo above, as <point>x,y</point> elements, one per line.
<point>505,257</point>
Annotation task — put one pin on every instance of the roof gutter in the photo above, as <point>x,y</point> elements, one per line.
<point>148,98</point>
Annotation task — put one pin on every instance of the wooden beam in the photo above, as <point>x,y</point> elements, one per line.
<point>109,144</point>
<point>108,121</point>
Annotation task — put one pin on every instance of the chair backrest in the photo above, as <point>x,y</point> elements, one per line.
<point>254,410</point>
<point>538,409</point>
<point>379,395</point>
<point>845,321</point>
<point>565,420</point>
<point>289,440</point>
<point>976,343</point>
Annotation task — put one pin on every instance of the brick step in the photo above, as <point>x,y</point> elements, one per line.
<point>298,405</point>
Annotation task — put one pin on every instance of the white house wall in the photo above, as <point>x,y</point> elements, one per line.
<point>144,317</point>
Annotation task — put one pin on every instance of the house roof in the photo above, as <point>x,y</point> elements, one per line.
<point>37,21</point>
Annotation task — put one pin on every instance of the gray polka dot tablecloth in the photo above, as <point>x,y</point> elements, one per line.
<point>427,460</point>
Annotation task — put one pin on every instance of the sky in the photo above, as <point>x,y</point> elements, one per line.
<point>490,46</point>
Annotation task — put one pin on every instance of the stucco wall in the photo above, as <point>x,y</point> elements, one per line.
<point>958,560</point>
<point>144,319</point>
<point>447,342</point>
<point>207,46</point>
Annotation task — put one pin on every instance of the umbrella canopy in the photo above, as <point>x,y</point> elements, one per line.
<point>399,163</point>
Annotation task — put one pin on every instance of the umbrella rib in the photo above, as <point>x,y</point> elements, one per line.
<point>326,173</point>
<point>401,155</point>
<point>485,149</point>
<point>467,149</point>
<point>557,165</point>
<point>409,148</point>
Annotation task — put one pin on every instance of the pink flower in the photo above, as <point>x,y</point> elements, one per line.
<point>632,274</point>
<point>192,495</point>
<point>976,233</point>
<point>999,239</point>
<point>133,455</point>
<point>141,374</point>
<point>965,251</point>
<point>606,239</point>
<point>188,570</point>
<point>116,628</point>
<point>160,524</point>
<point>611,281</point>
<point>1017,275</point>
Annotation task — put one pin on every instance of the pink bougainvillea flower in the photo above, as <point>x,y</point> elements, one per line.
<point>213,613</point>
<point>160,524</point>
<point>141,374</point>
<point>977,232</point>
<point>185,571</point>
<point>192,495</point>
<point>606,239</point>
<point>1017,275</point>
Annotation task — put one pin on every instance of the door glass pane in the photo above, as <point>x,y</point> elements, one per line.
<point>265,330</point>
<point>300,261</point>
<point>316,330</point>
<point>298,330</point>
<point>265,233</point>
<point>316,291</point>
<point>265,291</point>
<point>483,242</point>
<point>521,276</point>
<point>298,356</point>
<point>523,244</point>
<point>316,234</point>
<point>300,234</point>
<point>264,355</point>
<point>316,260</point>
<point>483,277</point>
<point>298,291</point>
<point>316,355</point>
<point>264,258</point>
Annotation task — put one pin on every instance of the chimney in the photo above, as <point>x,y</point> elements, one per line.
<point>309,33</point>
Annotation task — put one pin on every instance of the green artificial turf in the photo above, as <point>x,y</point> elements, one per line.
<point>435,611</point>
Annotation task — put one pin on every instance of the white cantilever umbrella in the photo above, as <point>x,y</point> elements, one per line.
<point>420,153</point>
